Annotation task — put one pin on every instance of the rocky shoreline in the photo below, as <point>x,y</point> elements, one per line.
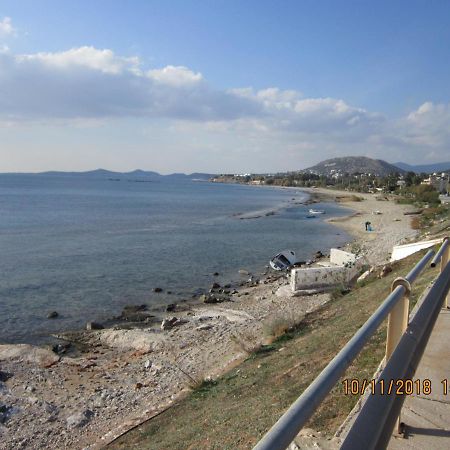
<point>101,382</point>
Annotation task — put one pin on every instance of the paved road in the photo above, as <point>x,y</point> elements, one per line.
<point>427,417</point>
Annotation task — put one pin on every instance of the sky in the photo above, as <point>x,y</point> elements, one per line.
<point>221,86</point>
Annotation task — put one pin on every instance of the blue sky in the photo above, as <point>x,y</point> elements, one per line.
<point>221,85</point>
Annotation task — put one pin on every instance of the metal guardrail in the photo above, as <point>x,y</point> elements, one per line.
<point>441,252</point>
<point>396,305</point>
<point>376,421</point>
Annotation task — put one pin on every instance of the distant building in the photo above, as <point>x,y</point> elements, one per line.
<point>439,182</point>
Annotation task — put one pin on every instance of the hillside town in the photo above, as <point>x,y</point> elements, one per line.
<point>356,174</point>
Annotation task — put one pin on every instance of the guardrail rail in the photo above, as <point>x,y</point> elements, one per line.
<point>405,345</point>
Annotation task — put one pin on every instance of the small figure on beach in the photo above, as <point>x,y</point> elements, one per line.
<point>368,226</point>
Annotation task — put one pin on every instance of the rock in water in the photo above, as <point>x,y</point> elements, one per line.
<point>52,315</point>
<point>136,313</point>
<point>157,289</point>
<point>215,298</point>
<point>130,309</point>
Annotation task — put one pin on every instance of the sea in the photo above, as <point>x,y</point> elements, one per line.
<point>85,247</point>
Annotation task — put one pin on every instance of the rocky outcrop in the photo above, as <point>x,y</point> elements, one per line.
<point>79,419</point>
<point>215,297</point>
<point>141,340</point>
<point>171,322</point>
<point>385,271</point>
<point>136,313</point>
<point>29,353</point>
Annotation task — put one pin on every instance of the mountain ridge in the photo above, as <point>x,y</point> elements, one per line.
<point>352,165</point>
<point>425,168</point>
<point>104,173</point>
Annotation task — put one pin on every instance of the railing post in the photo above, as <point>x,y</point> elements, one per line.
<point>397,323</point>
<point>444,260</point>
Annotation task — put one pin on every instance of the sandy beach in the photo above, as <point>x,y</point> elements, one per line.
<point>390,226</point>
<point>118,378</point>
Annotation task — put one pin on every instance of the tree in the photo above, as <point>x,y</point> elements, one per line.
<point>427,194</point>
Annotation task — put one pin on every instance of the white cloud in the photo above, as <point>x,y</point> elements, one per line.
<point>287,110</point>
<point>87,82</point>
<point>87,85</point>
<point>175,76</point>
<point>104,61</point>
<point>92,83</point>
<point>428,126</point>
<point>6,27</point>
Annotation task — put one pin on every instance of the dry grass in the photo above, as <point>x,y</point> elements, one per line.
<point>416,223</point>
<point>349,198</point>
<point>278,325</point>
<point>275,327</point>
<point>246,342</point>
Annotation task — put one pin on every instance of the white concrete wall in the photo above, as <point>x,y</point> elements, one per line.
<point>322,277</point>
<point>402,251</point>
<point>340,257</point>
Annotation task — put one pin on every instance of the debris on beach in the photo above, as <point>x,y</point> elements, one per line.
<point>283,260</point>
<point>94,326</point>
<point>171,322</point>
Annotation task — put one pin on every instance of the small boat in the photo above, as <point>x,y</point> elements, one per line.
<point>316,211</point>
<point>283,260</point>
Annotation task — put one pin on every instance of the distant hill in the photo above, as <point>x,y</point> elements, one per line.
<point>353,164</point>
<point>427,168</point>
<point>134,175</point>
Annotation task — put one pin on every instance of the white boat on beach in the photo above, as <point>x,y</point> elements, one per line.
<point>316,211</point>
<point>283,260</point>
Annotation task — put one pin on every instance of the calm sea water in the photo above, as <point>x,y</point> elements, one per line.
<point>87,247</point>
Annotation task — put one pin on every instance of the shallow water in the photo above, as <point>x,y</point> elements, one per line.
<point>85,247</point>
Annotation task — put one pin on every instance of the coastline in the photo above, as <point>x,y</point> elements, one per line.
<point>126,376</point>
<point>390,226</point>
<point>101,279</point>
